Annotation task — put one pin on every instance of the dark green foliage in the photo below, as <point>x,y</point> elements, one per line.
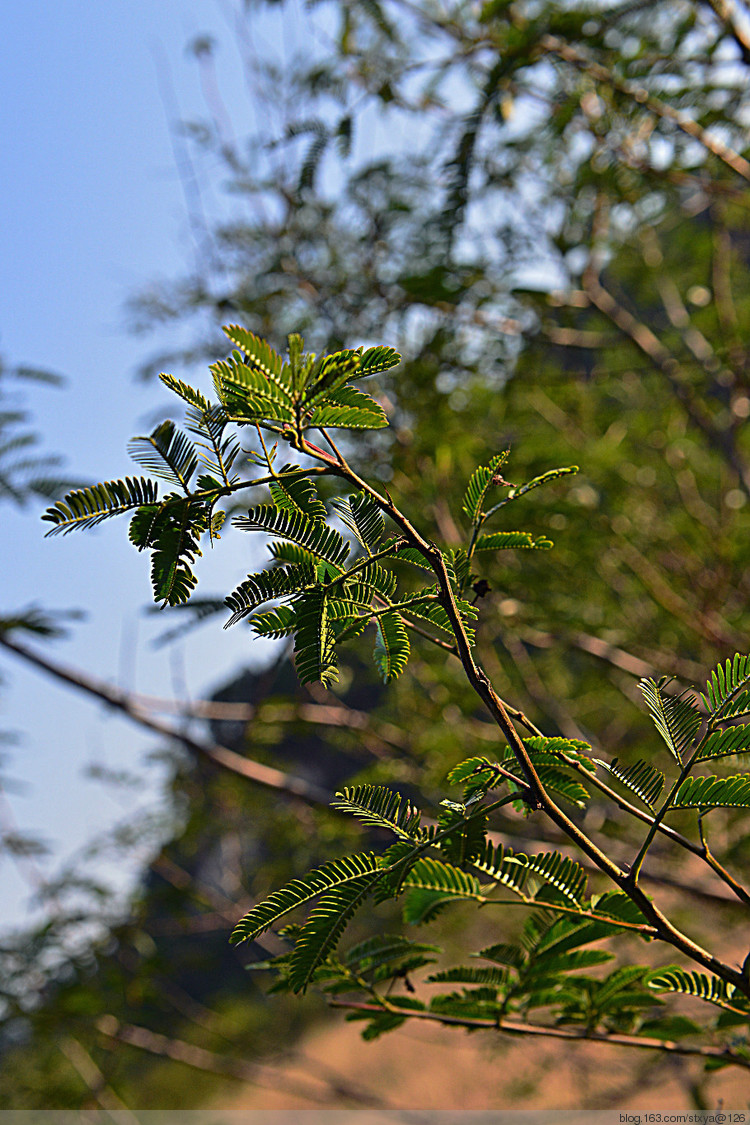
<point>391,645</point>
<point>675,717</point>
<point>324,543</point>
<point>725,682</point>
<point>166,453</point>
<point>299,891</point>
<point>641,778</point>
<point>86,507</point>
<point>672,978</point>
<point>380,807</point>
<point>721,743</point>
<point>713,792</point>
<point>323,590</point>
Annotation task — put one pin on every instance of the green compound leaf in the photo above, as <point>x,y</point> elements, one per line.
<point>249,394</point>
<point>713,793</point>
<point>326,923</point>
<point>364,519</point>
<point>724,682</point>
<point>86,507</point>
<point>479,774</point>
<point>324,542</point>
<point>172,531</point>
<point>379,807</point>
<point>574,748</point>
<point>314,640</point>
<point>722,743</point>
<point>675,717</point>
<point>266,586</point>
<point>471,974</point>
<point>520,490</point>
<point>349,408</point>
<point>293,492</point>
<point>386,951</point>
<point>481,481</point>
<point>640,778</point>
<point>425,604</point>
<point>431,885</point>
<point>391,652</point>
<point>333,371</point>
<point>279,622</point>
<point>377,579</point>
<point>167,453</point>
<point>379,358</point>
<point>258,354</point>
<point>187,393</point>
<point>512,540</point>
<point>520,872</point>
<point>547,932</point>
<point>672,978</point>
<point>334,874</point>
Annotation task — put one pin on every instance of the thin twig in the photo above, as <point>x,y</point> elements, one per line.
<point>517,1027</point>
<point>259,1074</point>
<point>211,751</point>
<point>555,46</point>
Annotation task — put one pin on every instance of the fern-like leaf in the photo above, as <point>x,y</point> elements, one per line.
<point>279,622</point>
<point>385,954</point>
<point>364,519</point>
<point>167,453</point>
<point>505,540</point>
<point>391,652</point>
<point>722,743</point>
<point>324,542</point>
<point>266,586</point>
<point>574,748</point>
<point>514,870</point>
<point>674,716</point>
<point>379,807</point>
<point>326,923</point>
<point>249,394</point>
<point>378,580</point>
<point>481,481</point>
<point>257,352</point>
<point>299,891</point>
<point>713,792</point>
<point>672,978</point>
<point>431,887</point>
<point>520,490</point>
<point>332,372</point>
<point>723,684</point>
<point>470,974</point>
<point>434,875</point>
<point>86,507</point>
<point>293,492</point>
<point>187,393</point>
<point>349,408</point>
<point>379,358</point>
<point>172,531</point>
<point>640,778</point>
<point>314,640</point>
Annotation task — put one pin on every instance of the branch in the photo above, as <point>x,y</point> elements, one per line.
<point>259,1074</point>
<point>537,794</point>
<point>648,343</point>
<point>89,1072</point>
<point>210,751</point>
<point>730,19</point>
<point>516,1027</point>
<point>641,95</point>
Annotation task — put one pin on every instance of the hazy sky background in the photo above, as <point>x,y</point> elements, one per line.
<point>92,210</point>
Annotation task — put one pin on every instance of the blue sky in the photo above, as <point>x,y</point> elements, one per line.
<point>92,210</point>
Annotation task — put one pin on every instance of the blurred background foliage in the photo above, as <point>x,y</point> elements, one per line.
<point>544,207</point>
